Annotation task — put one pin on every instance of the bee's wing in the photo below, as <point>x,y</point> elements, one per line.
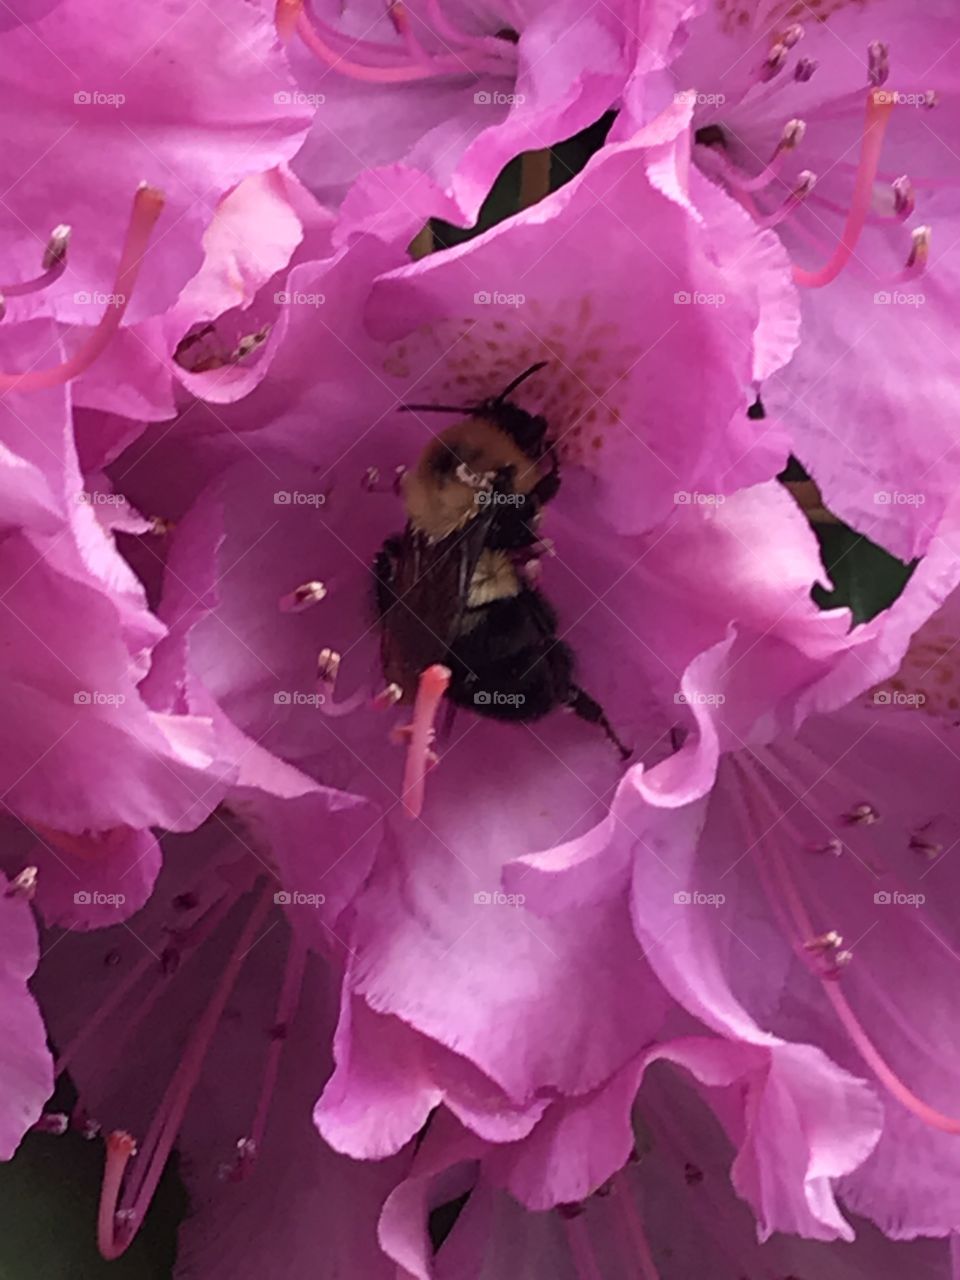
<point>429,592</point>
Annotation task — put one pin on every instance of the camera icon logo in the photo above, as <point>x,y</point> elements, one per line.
<point>281,498</point>
<point>82,98</point>
<point>482,899</point>
<point>82,898</point>
<point>281,698</point>
<point>882,897</point>
<point>481,698</point>
<point>282,898</point>
<point>682,898</point>
<point>81,698</point>
<point>482,98</point>
<point>282,99</point>
<point>682,298</point>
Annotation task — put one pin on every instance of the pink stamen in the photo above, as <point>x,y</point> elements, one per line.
<point>317,39</point>
<point>23,885</point>
<point>579,1242</point>
<point>328,667</point>
<point>114,1240</point>
<point>397,12</point>
<point>879,107</point>
<point>303,597</point>
<point>631,1223</point>
<point>804,927</point>
<point>198,934</point>
<point>120,1150</point>
<point>287,1004</point>
<point>52,265</point>
<point>434,683</point>
<point>147,207</point>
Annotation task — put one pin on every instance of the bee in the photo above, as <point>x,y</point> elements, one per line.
<point>457,586</point>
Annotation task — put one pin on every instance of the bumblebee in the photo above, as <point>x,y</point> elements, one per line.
<point>457,586</point>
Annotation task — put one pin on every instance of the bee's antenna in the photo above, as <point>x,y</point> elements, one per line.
<point>437,408</point>
<point>527,373</point>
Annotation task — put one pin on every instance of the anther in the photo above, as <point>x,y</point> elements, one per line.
<point>878,63</point>
<point>904,197</point>
<point>929,848</point>
<point>919,248</point>
<point>387,697</point>
<point>833,847</point>
<point>55,1122</point>
<point>792,136</point>
<point>774,62</point>
<point>23,885</point>
<point>861,815</point>
<point>804,69</point>
<point>792,36</point>
<point>328,666</point>
<point>55,250</point>
<point>824,943</point>
<point>309,593</point>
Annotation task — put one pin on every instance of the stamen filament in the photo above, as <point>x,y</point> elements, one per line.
<point>52,266</point>
<point>147,207</point>
<point>879,107</point>
<point>166,1123</point>
<point>287,1004</point>
<point>315,37</point>
<point>632,1225</point>
<point>583,1260</point>
<point>929,1115</point>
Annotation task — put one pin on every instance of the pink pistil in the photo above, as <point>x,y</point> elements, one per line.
<point>147,207</point>
<point>286,16</point>
<point>879,107</point>
<point>434,683</point>
<point>121,1148</point>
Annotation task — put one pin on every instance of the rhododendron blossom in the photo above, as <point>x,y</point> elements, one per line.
<point>471,810</point>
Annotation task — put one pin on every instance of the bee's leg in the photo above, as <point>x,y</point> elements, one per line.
<point>587,708</point>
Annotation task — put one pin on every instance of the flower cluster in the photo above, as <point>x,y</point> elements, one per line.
<point>328,491</point>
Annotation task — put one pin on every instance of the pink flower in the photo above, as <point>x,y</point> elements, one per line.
<point>456,89</point>
<point>112,102</point>
<point>448,997</point>
<point>840,133</point>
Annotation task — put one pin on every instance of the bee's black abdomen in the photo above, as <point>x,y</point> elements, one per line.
<point>508,663</point>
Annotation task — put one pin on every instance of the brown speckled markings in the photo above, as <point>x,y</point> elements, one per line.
<point>930,672</point>
<point>578,393</point>
<point>740,15</point>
